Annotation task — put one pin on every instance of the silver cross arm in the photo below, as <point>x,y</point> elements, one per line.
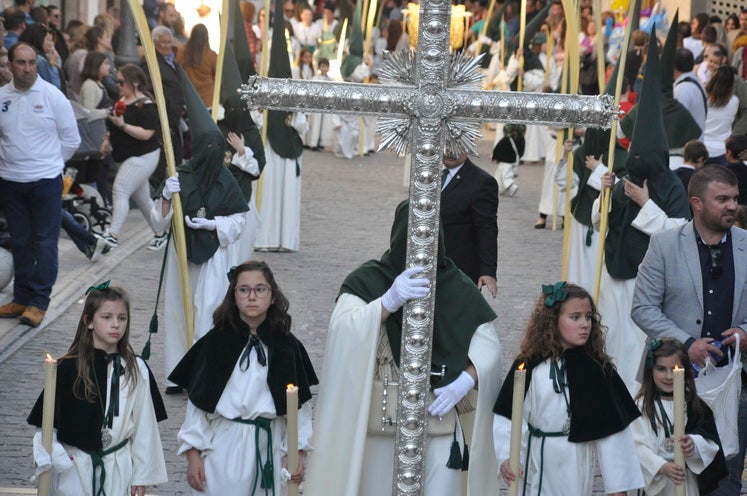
<point>299,95</point>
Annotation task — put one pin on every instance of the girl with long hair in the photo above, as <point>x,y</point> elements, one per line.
<point>199,62</point>
<point>107,407</point>
<point>723,105</point>
<point>575,404</point>
<point>234,431</point>
<point>653,431</point>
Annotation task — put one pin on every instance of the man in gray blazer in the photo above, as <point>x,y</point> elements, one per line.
<point>691,285</point>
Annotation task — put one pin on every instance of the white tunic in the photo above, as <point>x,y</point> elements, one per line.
<point>208,284</point>
<point>568,467</point>
<point>243,248</point>
<point>139,463</point>
<point>280,207</point>
<point>548,204</point>
<point>321,129</point>
<point>582,259</point>
<point>348,462</point>
<point>228,447</point>
<point>653,455</point>
<point>625,340</point>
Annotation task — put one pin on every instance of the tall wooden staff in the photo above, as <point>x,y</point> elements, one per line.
<point>606,192</point>
<point>522,33</point>
<point>572,52</point>
<point>483,30</point>
<point>177,223</point>
<point>264,68</point>
<point>599,44</point>
<point>221,57</point>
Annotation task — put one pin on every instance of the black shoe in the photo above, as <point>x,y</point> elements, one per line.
<point>174,390</point>
<point>540,225</point>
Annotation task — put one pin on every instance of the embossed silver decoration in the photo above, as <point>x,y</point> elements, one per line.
<point>427,106</point>
<point>567,426</point>
<point>106,437</point>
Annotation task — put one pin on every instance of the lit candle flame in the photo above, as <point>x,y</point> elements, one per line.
<point>676,367</point>
<point>49,358</point>
<point>290,386</point>
<point>521,366</point>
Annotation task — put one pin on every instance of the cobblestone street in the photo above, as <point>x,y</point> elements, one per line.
<point>347,210</point>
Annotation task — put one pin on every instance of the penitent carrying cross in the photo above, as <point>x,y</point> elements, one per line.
<point>430,105</point>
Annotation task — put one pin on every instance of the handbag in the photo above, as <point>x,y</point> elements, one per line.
<point>382,414</point>
<point>720,388</point>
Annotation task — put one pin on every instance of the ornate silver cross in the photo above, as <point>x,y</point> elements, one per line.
<point>427,106</point>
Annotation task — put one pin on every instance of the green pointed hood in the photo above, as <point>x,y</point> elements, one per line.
<point>206,185</point>
<point>354,58</point>
<point>240,47</point>
<point>649,149</point>
<point>648,160</point>
<point>283,139</point>
<point>231,80</point>
<point>494,24</point>
<point>678,122</point>
<point>667,58</point>
<point>531,29</point>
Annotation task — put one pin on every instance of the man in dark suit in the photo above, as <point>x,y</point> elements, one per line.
<point>173,94</point>
<point>469,209</point>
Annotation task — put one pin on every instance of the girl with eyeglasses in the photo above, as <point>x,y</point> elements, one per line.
<point>234,430</point>
<point>134,142</point>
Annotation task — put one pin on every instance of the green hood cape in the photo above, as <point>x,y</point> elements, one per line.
<point>596,143</point>
<point>205,182</point>
<point>283,139</point>
<point>238,119</point>
<point>459,307</point>
<point>354,58</point>
<point>648,159</point>
<point>678,122</point>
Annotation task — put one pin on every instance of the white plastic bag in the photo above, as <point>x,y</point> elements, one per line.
<point>720,388</point>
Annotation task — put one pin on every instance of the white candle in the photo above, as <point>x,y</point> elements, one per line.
<point>517,413</point>
<point>291,395</point>
<point>50,387</point>
<point>679,422</point>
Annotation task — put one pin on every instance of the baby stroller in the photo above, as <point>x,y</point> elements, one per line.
<point>79,197</point>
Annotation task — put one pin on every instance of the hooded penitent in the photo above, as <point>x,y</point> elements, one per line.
<point>678,122</point>
<point>648,160</point>
<point>240,47</point>
<point>238,119</point>
<point>531,59</point>
<point>459,307</point>
<point>596,143</point>
<point>284,140</point>
<point>354,58</point>
<point>207,188</point>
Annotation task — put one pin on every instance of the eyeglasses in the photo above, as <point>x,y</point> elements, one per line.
<point>121,82</point>
<point>716,267</point>
<point>260,291</point>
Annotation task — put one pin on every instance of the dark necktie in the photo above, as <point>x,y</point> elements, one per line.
<point>253,343</point>
<point>444,176</point>
<point>117,371</point>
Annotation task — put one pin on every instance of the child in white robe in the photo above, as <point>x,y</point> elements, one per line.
<point>653,431</point>
<point>234,431</point>
<point>107,407</point>
<point>321,132</point>
<point>575,404</point>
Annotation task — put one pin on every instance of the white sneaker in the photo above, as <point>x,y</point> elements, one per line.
<point>158,242</point>
<point>98,249</point>
<point>511,190</point>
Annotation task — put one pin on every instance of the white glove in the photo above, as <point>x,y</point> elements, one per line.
<point>485,40</point>
<point>448,396</point>
<point>404,288</point>
<point>59,461</point>
<point>200,223</point>
<point>300,124</point>
<point>170,187</point>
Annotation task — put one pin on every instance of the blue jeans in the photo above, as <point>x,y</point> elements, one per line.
<point>33,211</point>
<point>732,485</point>
<point>82,238</point>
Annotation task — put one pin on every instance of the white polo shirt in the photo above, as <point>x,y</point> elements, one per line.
<point>38,132</point>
